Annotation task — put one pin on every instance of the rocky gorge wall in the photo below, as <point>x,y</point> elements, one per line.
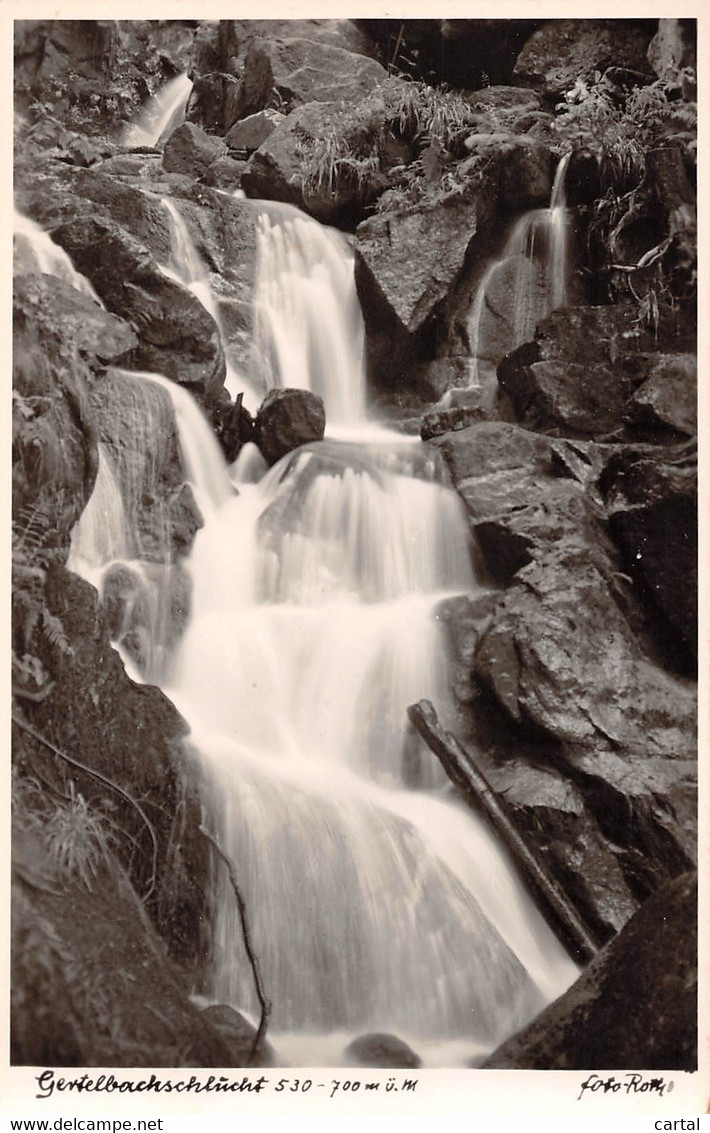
<point>575,675</point>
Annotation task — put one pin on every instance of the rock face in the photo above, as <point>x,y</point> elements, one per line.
<point>176,335</point>
<point>561,658</point>
<point>96,713</point>
<point>651,964</point>
<point>406,266</point>
<point>288,418</point>
<point>589,372</point>
<point>411,283</point>
<point>563,51</point>
<point>652,510</point>
<point>382,1050</point>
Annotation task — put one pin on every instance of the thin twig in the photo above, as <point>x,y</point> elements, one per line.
<point>108,783</point>
<point>263,1001</point>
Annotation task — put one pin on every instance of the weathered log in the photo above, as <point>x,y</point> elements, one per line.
<point>562,917</point>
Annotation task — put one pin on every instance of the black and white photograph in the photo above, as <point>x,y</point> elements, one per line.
<point>354,587</point>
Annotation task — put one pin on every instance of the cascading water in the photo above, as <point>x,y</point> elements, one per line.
<point>376,900</point>
<point>187,267</point>
<point>161,114</point>
<point>36,251</point>
<point>308,328</point>
<point>529,281</point>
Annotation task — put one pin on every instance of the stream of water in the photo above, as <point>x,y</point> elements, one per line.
<point>519,290</point>
<point>377,901</point>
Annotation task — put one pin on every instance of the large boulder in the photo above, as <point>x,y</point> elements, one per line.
<point>562,52</point>
<point>191,151</point>
<point>177,337</point>
<point>238,1035</point>
<point>409,261</point>
<point>288,418</point>
<point>299,71</point>
<point>251,132</point>
<point>633,1008</point>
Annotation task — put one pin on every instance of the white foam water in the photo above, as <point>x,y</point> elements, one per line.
<point>376,900</point>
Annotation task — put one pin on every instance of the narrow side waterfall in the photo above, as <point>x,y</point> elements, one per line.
<point>530,280</point>
<point>162,114</point>
<point>34,250</point>
<point>377,901</point>
<point>309,331</point>
<point>187,267</point>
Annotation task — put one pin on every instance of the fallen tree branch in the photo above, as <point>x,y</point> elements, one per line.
<point>461,769</point>
<point>264,1003</point>
<point>108,783</point>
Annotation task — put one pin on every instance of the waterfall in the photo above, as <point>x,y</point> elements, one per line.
<point>35,251</point>
<point>376,899</point>
<point>519,290</point>
<point>309,332</point>
<point>162,114</point>
<point>186,267</point>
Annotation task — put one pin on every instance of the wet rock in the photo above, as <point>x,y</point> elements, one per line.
<point>382,1050</point>
<point>252,131</point>
<point>238,1035</point>
<point>652,516</point>
<point>561,657</point>
<point>561,52</point>
<point>300,71</point>
<point>583,185</point>
<point>407,263</point>
<point>630,1009</point>
<point>288,418</point>
<point>667,400</point>
<point>176,335</point>
<point>191,151</point>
